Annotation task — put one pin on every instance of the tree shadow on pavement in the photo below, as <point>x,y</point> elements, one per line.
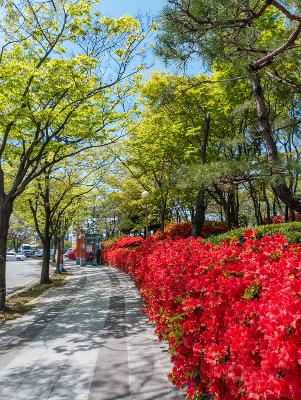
<point>89,340</point>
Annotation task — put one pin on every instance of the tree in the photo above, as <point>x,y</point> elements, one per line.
<point>62,226</point>
<point>19,233</point>
<point>54,199</point>
<point>165,148</point>
<point>54,104</point>
<point>167,137</point>
<point>253,37</point>
<point>173,136</point>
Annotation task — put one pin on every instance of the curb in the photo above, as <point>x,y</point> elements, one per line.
<point>26,287</point>
<point>30,285</point>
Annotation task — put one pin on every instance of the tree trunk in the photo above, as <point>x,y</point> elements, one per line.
<point>255,204</point>
<point>62,269</point>
<point>201,205</point>
<point>199,217</point>
<point>5,213</point>
<point>162,219</point>
<point>268,207</point>
<point>45,279</point>
<point>58,256</point>
<point>229,204</point>
<point>54,250</point>
<point>227,208</point>
<point>15,244</point>
<point>177,212</point>
<point>286,213</point>
<point>274,206</point>
<point>221,213</point>
<point>280,187</point>
<point>237,205</point>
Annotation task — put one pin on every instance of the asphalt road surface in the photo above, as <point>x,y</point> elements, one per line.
<point>22,273</point>
<point>85,341</point>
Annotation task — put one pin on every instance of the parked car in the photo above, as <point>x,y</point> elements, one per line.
<point>13,256</point>
<point>26,250</point>
<point>20,256</point>
<point>38,253</point>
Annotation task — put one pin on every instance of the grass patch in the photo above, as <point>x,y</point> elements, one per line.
<point>21,303</point>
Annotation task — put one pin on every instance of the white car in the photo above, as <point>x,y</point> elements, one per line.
<point>12,256</point>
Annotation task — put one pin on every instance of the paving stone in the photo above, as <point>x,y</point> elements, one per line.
<point>88,340</point>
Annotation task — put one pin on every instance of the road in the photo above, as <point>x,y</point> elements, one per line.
<point>21,273</point>
<point>85,341</point>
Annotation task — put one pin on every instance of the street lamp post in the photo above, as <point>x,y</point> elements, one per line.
<point>144,196</point>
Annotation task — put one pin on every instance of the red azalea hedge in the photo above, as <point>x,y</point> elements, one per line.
<point>72,255</point>
<point>120,242</point>
<point>230,313</point>
<point>183,229</point>
<point>279,219</point>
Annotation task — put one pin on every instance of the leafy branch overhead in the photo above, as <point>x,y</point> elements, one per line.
<point>68,76</point>
<point>58,104</point>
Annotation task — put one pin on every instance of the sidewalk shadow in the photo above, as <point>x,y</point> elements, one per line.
<point>94,329</point>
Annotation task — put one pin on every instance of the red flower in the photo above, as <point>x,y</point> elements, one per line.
<point>250,233</point>
<point>230,313</point>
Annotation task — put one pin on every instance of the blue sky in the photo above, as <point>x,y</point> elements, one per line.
<point>117,8</point>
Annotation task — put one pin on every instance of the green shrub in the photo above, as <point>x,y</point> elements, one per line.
<point>291,230</point>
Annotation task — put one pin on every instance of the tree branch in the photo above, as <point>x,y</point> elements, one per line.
<point>266,60</point>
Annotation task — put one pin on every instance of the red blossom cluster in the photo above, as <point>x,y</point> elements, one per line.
<point>279,219</point>
<point>214,228</point>
<point>230,313</point>
<point>126,241</point>
<point>183,229</point>
<point>72,255</point>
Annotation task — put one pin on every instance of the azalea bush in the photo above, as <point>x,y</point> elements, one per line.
<point>230,313</point>
<point>279,219</point>
<point>290,230</point>
<point>213,228</point>
<point>127,241</point>
<point>106,244</point>
<point>113,251</point>
<point>71,255</point>
<point>183,229</point>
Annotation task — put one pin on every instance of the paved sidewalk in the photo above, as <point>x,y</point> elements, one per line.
<point>85,341</point>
